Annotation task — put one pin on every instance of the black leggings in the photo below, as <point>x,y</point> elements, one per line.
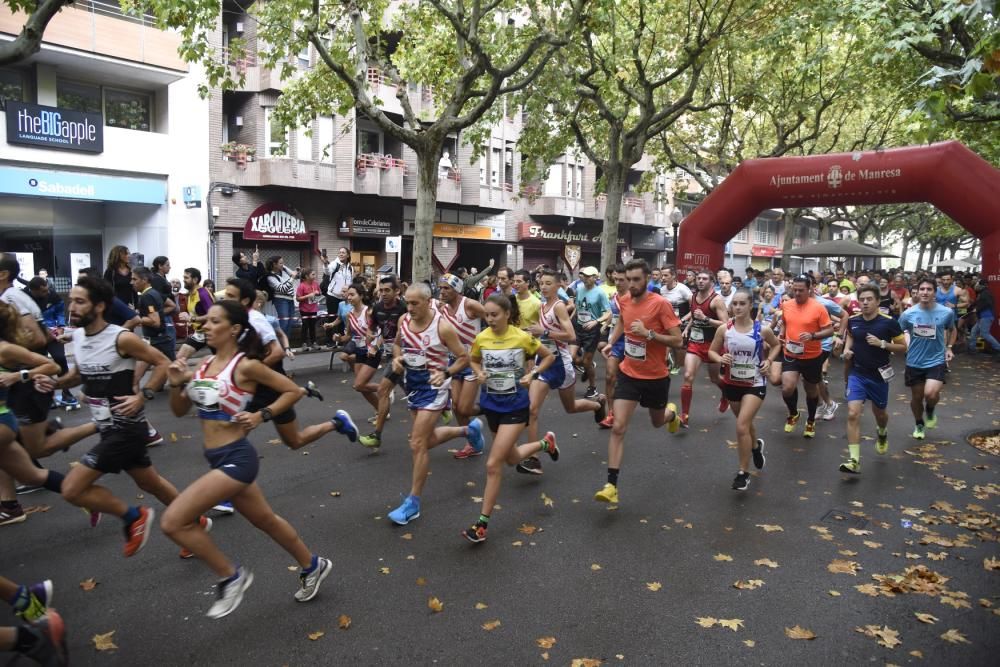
<point>309,328</point>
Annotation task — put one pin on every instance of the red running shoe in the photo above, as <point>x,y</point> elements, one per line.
<point>137,532</point>
<point>206,525</point>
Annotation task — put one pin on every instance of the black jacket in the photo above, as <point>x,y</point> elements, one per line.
<point>251,273</point>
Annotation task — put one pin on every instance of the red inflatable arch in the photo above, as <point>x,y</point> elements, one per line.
<point>948,175</point>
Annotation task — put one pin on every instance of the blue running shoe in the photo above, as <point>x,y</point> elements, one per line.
<point>342,423</point>
<point>475,435</point>
<point>407,512</point>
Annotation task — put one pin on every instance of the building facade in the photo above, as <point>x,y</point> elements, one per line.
<point>103,144</point>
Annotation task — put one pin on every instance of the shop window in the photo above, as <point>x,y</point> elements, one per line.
<point>128,110</point>
<point>78,96</point>
<point>11,86</point>
<point>277,137</point>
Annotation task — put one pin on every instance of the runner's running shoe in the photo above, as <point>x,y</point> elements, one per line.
<point>407,512</point>
<point>50,645</point>
<point>475,435</point>
<point>467,452</point>
<point>609,421</point>
<point>225,507</point>
<point>918,432</point>
<point>372,440</point>
<point>446,417</point>
<point>39,599</point>
<point>229,593</point>
<point>723,404</point>
<point>342,423</point>
<point>831,410</point>
<point>930,422</point>
<point>684,420</point>
<point>206,525</point>
<point>674,424</point>
<point>475,534</point>
<point>882,443</point>
<point>791,422</point>
<point>758,454</point>
<point>153,438</point>
<point>312,391</point>
<point>9,515</point>
<point>553,450</point>
<point>810,429</point>
<point>137,532</point>
<point>852,466</point>
<point>602,412</point>
<point>591,393</point>
<point>530,466</point>
<point>608,494</point>
<point>742,481</point>
<point>309,583</point>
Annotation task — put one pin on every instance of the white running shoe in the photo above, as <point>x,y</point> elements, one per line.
<point>831,410</point>
<point>309,583</point>
<point>231,595</point>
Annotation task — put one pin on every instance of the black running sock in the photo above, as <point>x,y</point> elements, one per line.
<point>792,402</point>
<point>920,423</point>
<point>613,476</point>
<point>811,405</point>
<point>53,481</point>
<point>9,504</point>
<point>929,410</point>
<point>26,639</point>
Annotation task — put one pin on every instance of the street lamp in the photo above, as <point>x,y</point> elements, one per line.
<point>226,189</point>
<point>675,219</point>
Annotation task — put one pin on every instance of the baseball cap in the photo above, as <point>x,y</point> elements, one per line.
<point>452,281</point>
<point>589,271</point>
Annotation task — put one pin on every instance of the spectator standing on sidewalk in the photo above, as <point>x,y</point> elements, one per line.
<point>339,273</point>
<point>307,295</point>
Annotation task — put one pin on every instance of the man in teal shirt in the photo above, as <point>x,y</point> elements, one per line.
<point>592,309</point>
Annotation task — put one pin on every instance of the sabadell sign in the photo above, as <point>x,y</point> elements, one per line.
<point>275,222</point>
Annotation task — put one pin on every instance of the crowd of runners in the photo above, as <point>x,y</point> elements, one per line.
<point>468,354</point>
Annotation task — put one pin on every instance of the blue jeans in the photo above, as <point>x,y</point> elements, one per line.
<point>285,309</point>
<point>982,328</point>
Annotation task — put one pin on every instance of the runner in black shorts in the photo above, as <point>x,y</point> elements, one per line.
<point>385,317</point>
<point>502,357</point>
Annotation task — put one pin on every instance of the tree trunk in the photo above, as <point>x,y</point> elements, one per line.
<point>920,255</point>
<point>789,216</point>
<point>906,248</point>
<point>614,181</point>
<point>423,227</point>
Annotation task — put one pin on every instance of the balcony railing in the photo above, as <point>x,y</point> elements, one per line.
<point>240,62</point>
<point>379,161</point>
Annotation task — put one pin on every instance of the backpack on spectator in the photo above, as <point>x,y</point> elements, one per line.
<point>264,286</point>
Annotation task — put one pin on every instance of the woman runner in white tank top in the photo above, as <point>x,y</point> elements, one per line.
<point>366,358</point>
<point>739,346</point>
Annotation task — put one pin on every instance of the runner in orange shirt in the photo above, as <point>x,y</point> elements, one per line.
<point>649,326</point>
<point>805,323</point>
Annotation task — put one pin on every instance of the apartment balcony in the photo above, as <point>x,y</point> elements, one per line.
<point>247,170</point>
<point>553,205</point>
<point>380,175</point>
<point>499,196</point>
<point>450,187</point>
<point>101,28</point>
<point>256,78</point>
<point>633,210</point>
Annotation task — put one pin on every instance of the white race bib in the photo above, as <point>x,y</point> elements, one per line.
<point>795,347</point>
<point>887,372</point>
<point>925,330</point>
<point>635,348</point>
<point>415,360</point>
<point>204,394</point>
<point>583,316</point>
<point>198,337</point>
<point>501,382</point>
<point>697,335</point>
<point>100,410</point>
<point>743,372</point>
<point>883,309</point>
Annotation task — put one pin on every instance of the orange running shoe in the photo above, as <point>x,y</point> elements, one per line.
<point>206,525</point>
<point>137,532</point>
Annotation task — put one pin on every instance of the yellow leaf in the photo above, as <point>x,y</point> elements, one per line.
<point>344,622</point>
<point>654,586</point>
<point>546,642</point>
<point>722,557</point>
<point>421,581</point>
<point>481,605</point>
<point>104,642</point>
<point>956,603</point>
<point>917,654</point>
<point>595,567</point>
<point>706,621</point>
<point>316,635</point>
<point>768,528</point>
<point>872,545</point>
<point>857,531</point>
<point>335,494</point>
<point>527,529</point>
<point>955,637</point>
<point>491,625</point>
<point>545,655</point>
<point>841,566</point>
<point>766,562</point>
<point>585,662</point>
<point>88,584</point>
<point>547,501</point>
<point>748,585</point>
<point>983,602</point>
<point>406,536</point>
<point>799,632</point>
<point>749,642</point>
<point>435,605</point>
<point>733,624</point>
<point>834,594</point>
<point>926,618</point>
<point>991,563</point>
<point>868,589</point>
<point>847,552</point>
<point>173,437</point>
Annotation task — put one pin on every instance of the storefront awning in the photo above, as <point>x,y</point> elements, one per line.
<point>53,184</point>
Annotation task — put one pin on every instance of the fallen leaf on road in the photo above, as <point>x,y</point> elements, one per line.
<point>481,605</point>
<point>767,562</point>
<point>527,529</point>
<point>732,623</point>
<point>706,621</point>
<point>858,531</point>
<point>517,543</point>
<point>173,437</point>
<point>983,602</point>
<point>316,635</point>
<point>748,585</point>
<point>991,563</point>
<point>595,567</point>
<point>872,545</point>
<point>384,570</point>
<point>344,622</point>
<point>104,642</point>
<point>491,625</point>
<point>768,528</point>
<point>406,536</point>
<point>868,589</point>
<point>293,568</point>
<point>955,637</point>
<point>45,508</point>
<point>917,654</point>
<point>335,494</point>
<point>421,581</point>
<point>722,557</point>
<point>546,642</point>
<point>749,642</point>
<point>834,594</point>
<point>885,635</point>
<point>847,552</point>
<point>799,632</point>
<point>956,603</point>
<point>547,501</point>
<point>654,586</point>
<point>88,584</point>
<point>435,605</point>
<point>841,566</point>
<point>926,618</point>
<point>585,662</point>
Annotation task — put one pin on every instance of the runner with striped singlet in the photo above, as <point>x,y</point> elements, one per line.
<point>708,312</point>
<point>464,314</point>
<point>739,348</point>
<point>361,359</point>
<point>420,355</point>
<point>223,390</point>
<point>556,332</point>
<point>617,352</point>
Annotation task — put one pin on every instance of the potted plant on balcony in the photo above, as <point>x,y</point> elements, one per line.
<point>241,155</point>
<point>228,150</point>
<point>251,152</point>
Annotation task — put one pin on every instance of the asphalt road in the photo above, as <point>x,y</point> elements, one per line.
<point>621,585</point>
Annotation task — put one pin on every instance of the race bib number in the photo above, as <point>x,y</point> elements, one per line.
<point>501,382</point>
<point>549,343</point>
<point>884,310</point>
<point>743,372</point>
<point>635,349</point>
<point>886,372</point>
<point>697,335</point>
<point>204,393</point>
<point>100,410</point>
<point>795,347</point>
<point>415,360</point>
<point>925,330</point>
<point>359,341</point>
<point>198,337</point>
<point>583,316</point>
